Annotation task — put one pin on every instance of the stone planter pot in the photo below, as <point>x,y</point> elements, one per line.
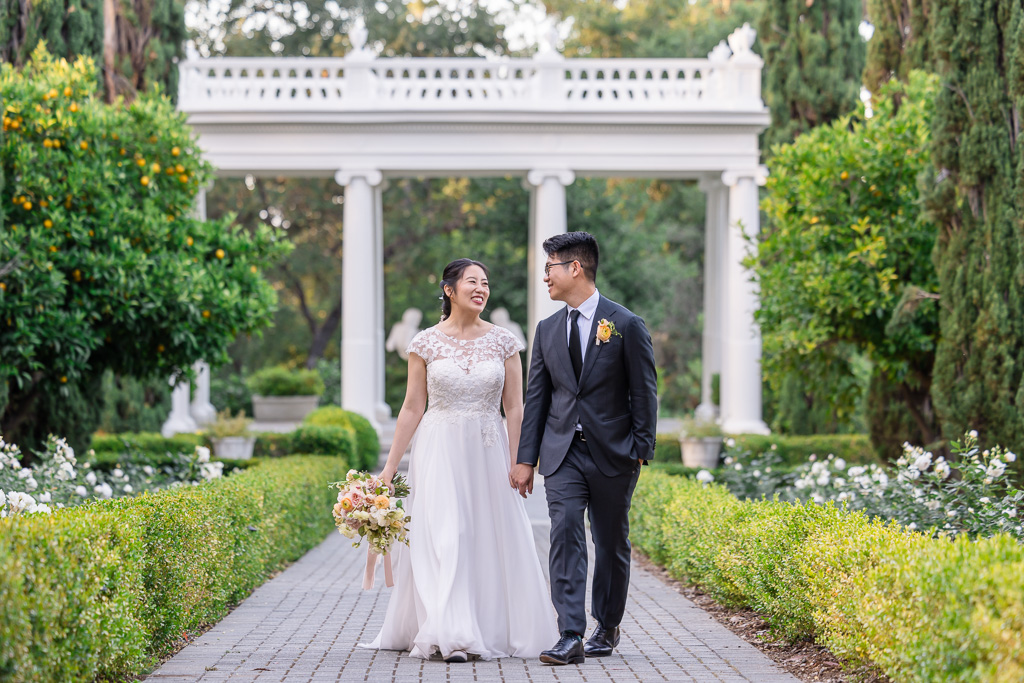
<point>283,408</point>
<point>701,451</point>
<point>234,447</point>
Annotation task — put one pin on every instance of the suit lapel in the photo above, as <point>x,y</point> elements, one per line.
<point>593,348</point>
<point>561,342</point>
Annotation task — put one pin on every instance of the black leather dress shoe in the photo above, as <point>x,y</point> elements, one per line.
<point>568,650</point>
<point>602,641</point>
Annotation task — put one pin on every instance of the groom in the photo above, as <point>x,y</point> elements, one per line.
<point>589,423</point>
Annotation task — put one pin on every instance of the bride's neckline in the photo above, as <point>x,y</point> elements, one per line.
<point>464,341</point>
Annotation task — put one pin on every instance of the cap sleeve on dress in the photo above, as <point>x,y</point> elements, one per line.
<point>510,344</point>
<point>421,346</point>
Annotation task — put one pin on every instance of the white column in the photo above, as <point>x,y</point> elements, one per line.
<point>360,358</point>
<point>547,219</point>
<point>715,221</point>
<point>383,409</point>
<point>741,347</point>
<point>202,410</point>
<point>179,420</point>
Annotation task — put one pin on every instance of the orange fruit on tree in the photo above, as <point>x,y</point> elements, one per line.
<point>74,107</point>
<point>84,144</point>
<point>219,253</point>
<point>183,178</point>
<point>155,167</point>
<point>67,91</point>
<point>188,241</point>
<point>27,205</point>
<point>144,180</point>
<point>175,151</point>
<point>47,223</point>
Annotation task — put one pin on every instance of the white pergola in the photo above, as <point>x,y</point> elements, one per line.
<point>362,119</point>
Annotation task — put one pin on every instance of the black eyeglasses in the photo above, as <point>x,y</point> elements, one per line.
<point>548,267</point>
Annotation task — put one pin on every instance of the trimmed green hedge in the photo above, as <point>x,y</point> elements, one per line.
<point>358,444</point>
<point>104,590</point>
<point>367,442</point>
<point>794,450</point>
<point>914,608</point>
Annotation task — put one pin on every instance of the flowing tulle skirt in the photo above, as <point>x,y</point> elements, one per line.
<point>470,578</point>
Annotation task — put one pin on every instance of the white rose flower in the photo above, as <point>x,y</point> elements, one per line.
<point>44,497</point>
<point>912,473</point>
<point>923,461</point>
<point>843,496</point>
<point>985,500</point>
<point>204,453</point>
<point>800,484</point>
<point>912,526</point>
<point>819,499</point>
<point>1010,456</point>
<point>81,491</point>
<point>66,471</point>
<point>932,504</point>
<point>995,468</point>
<point>768,470</point>
<point>950,513</point>
<point>104,490</point>
<point>739,467</point>
<point>19,502</point>
<point>823,479</point>
<point>973,433</point>
<point>942,469</point>
<point>148,470</point>
<point>127,488</point>
<point>730,442</point>
<point>705,477</point>
<point>24,474</point>
<point>90,478</point>
<point>839,464</point>
<point>856,471</point>
<point>757,474</point>
<point>3,498</point>
<point>31,484</point>
<point>45,509</point>
<point>1011,513</point>
<point>118,472</point>
<point>774,447</point>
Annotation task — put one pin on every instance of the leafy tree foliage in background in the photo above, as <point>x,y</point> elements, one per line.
<point>656,28</point>
<point>844,263</point>
<point>814,57</point>
<point>102,265</point>
<point>978,201</point>
<point>148,38</point>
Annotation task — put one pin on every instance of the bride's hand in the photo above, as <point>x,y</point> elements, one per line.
<point>387,476</point>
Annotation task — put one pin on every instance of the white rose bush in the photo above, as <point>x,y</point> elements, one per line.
<point>969,494</point>
<point>56,479</point>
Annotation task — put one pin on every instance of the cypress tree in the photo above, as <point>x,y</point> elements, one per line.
<point>814,57</point>
<point>978,201</point>
<point>901,40</point>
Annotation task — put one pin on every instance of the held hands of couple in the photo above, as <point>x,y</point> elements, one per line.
<point>521,478</point>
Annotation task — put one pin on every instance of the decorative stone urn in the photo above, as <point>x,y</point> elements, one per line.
<point>701,451</point>
<point>234,447</point>
<point>283,408</point>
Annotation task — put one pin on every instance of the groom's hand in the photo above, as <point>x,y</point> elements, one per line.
<point>522,478</point>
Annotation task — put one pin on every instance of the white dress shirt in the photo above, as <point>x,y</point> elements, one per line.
<point>587,309</point>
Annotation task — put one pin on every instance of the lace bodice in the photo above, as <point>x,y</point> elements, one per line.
<point>465,378</point>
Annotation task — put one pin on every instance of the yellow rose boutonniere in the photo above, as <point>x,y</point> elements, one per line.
<point>605,330</point>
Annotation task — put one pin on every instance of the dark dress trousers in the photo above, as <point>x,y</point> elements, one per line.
<point>615,402</point>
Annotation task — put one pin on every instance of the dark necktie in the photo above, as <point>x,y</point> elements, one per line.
<point>575,351</point>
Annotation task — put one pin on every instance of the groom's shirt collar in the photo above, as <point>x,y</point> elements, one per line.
<point>587,309</point>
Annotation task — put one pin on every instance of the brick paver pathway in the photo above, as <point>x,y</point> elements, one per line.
<point>304,625</point>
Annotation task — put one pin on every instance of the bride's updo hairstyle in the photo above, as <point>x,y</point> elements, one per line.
<point>451,276</point>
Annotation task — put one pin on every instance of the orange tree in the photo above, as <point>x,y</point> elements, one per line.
<point>102,264</point>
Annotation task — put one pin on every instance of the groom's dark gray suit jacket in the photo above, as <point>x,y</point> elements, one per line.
<point>615,400</point>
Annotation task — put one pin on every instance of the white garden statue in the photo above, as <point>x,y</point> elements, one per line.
<point>403,331</point>
<point>501,318</point>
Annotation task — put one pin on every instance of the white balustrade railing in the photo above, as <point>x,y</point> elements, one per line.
<point>729,80</point>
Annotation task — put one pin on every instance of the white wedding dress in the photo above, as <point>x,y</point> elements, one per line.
<point>470,578</point>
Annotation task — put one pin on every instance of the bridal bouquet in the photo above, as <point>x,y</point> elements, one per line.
<point>368,509</point>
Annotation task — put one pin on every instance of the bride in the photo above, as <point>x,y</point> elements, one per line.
<point>470,582</point>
